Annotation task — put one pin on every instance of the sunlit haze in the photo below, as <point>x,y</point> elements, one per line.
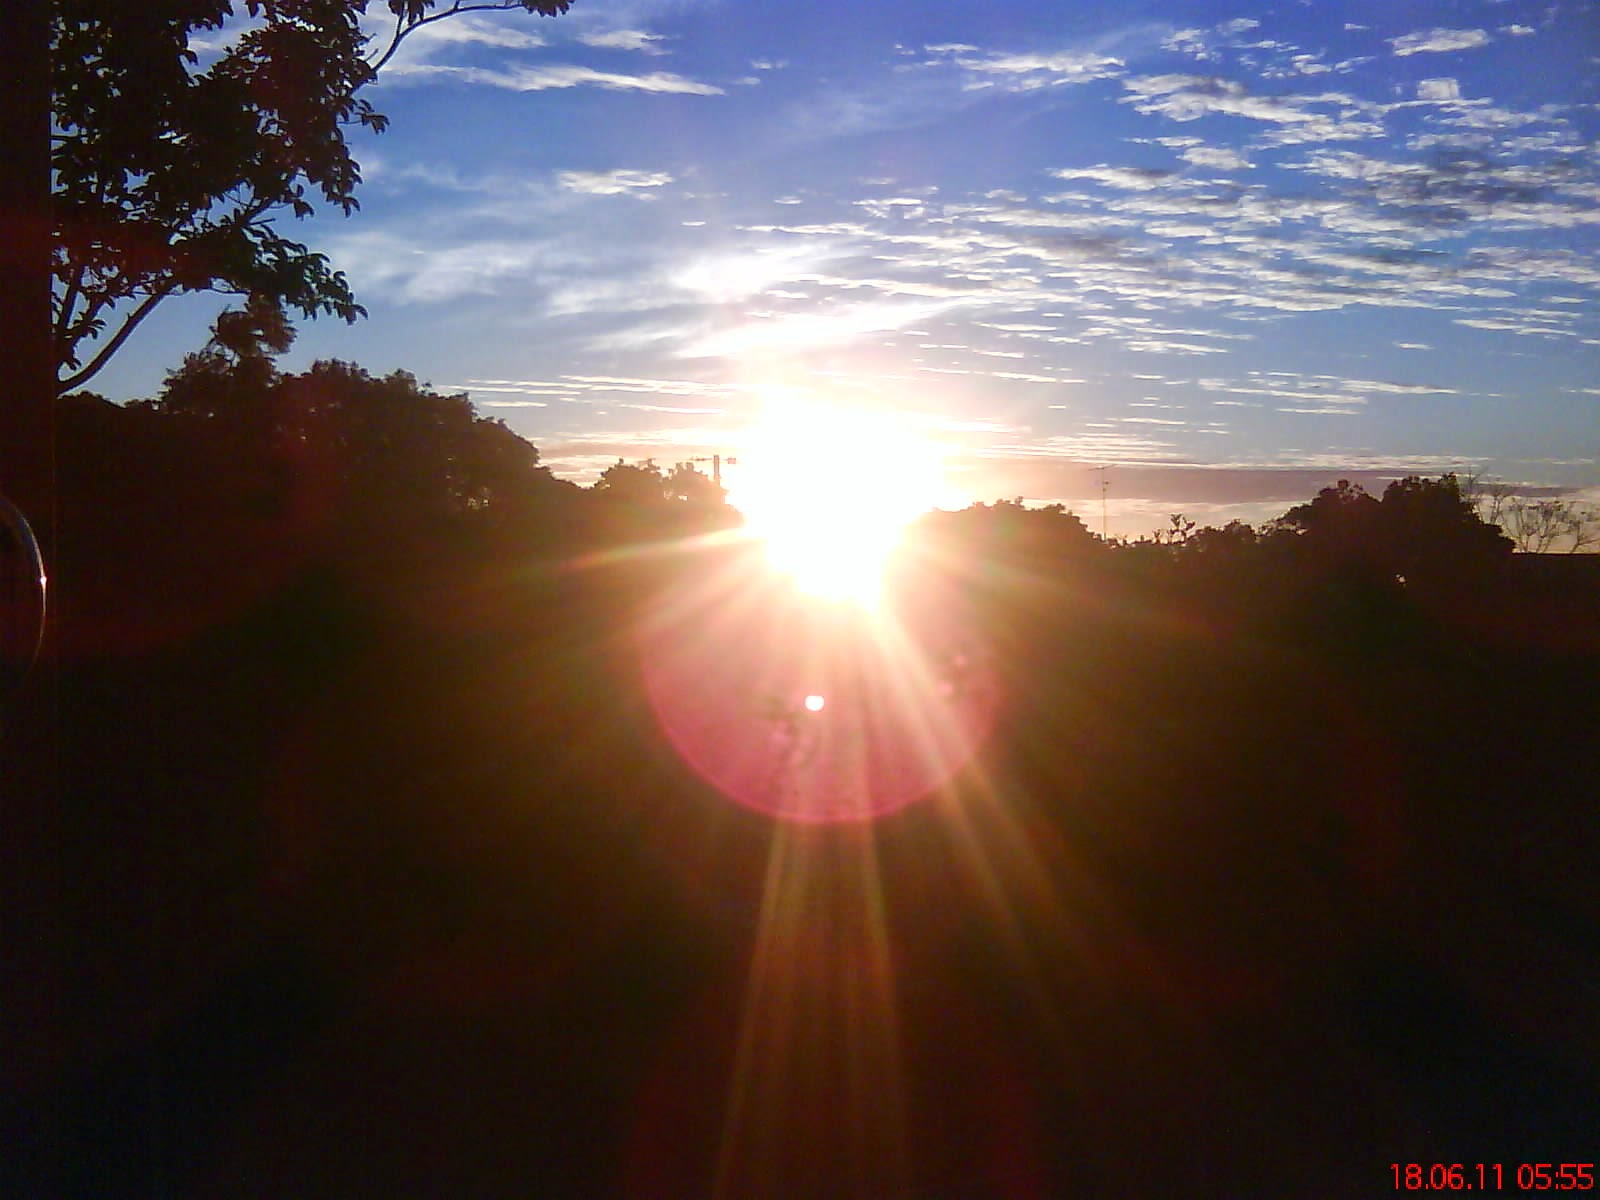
<point>829,492</point>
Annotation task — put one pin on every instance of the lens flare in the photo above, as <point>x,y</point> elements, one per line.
<point>810,710</point>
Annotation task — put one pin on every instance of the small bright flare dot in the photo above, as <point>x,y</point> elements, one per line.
<point>815,703</point>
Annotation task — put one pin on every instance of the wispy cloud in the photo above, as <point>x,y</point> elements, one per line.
<point>463,29</point>
<point>1438,89</point>
<point>1439,41</point>
<point>1218,158</point>
<point>1323,117</point>
<point>1027,72</point>
<point>905,101</point>
<point>620,182</point>
<point>625,39</point>
<point>554,76</point>
<point>1131,178</point>
<point>1106,445</point>
<point>409,273</point>
<point>1320,395</point>
<point>798,333</point>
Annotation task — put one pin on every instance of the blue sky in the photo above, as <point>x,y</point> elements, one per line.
<point>1230,251</point>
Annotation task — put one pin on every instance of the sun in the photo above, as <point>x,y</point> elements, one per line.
<point>830,491</point>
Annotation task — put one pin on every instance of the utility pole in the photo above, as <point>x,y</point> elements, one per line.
<point>1105,486</point>
<point>716,461</point>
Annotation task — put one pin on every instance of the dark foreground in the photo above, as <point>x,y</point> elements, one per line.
<point>378,878</point>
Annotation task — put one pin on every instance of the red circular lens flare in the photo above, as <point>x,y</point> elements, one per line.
<point>809,710</point>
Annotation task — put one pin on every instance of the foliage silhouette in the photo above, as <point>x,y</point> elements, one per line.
<point>1009,532</point>
<point>382,870</point>
<point>387,453</point>
<point>168,175</point>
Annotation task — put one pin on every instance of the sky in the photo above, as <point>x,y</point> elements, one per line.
<point>1228,252</point>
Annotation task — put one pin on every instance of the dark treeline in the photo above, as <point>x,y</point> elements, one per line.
<point>380,879</point>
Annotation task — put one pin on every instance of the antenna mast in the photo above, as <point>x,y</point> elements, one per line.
<point>1105,486</point>
<point>716,461</point>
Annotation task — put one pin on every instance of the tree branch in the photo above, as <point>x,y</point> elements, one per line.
<point>403,31</point>
<point>146,306</point>
<point>69,301</point>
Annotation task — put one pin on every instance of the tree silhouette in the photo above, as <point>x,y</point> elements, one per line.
<point>687,484</point>
<point>1426,526</point>
<point>1431,531</point>
<point>167,176</point>
<point>639,484</point>
<point>1340,519</point>
<point>645,485</point>
<point>385,454</point>
<point>1011,531</point>
<point>1232,541</point>
<point>1540,526</point>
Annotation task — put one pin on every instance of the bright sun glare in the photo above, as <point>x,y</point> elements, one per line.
<point>830,492</point>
